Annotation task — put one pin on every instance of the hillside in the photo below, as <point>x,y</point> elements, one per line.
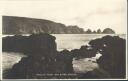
<point>22,25</point>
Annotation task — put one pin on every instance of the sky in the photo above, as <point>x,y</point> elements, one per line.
<point>93,14</point>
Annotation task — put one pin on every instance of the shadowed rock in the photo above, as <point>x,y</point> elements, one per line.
<point>83,52</point>
<point>113,50</point>
<point>43,58</point>
<point>35,43</point>
<point>96,73</point>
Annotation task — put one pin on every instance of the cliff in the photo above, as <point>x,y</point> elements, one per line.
<point>22,25</point>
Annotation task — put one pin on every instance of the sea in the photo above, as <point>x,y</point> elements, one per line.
<point>63,41</point>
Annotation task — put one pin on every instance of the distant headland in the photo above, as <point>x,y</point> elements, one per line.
<point>24,25</point>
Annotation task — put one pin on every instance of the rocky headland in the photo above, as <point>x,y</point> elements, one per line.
<point>22,25</point>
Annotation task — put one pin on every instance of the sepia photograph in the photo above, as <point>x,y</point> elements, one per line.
<point>64,39</point>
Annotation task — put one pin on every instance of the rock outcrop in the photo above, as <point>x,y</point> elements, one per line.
<point>98,31</point>
<point>29,44</point>
<point>43,58</point>
<point>113,59</point>
<point>108,31</point>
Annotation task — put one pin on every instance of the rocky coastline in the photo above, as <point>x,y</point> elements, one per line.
<point>43,61</point>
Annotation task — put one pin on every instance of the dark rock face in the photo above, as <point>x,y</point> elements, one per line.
<point>42,57</point>
<point>113,50</point>
<point>83,52</point>
<point>115,54</point>
<point>108,31</point>
<point>41,43</point>
<point>17,43</point>
<point>35,43</point>
<point>37,67</point>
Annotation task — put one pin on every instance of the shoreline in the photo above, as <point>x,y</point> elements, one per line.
<point>64,58</point>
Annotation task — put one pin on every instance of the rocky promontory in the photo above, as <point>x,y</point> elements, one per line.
<point>22,25</point>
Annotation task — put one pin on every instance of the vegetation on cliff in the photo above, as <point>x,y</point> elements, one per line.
<point>23,25</point>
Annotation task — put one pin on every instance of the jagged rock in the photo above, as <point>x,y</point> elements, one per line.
<point>89,31</point>
<point>113,52</point>
<point>42,58</point>
<point>83,52</point>
<point>99,31</point>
